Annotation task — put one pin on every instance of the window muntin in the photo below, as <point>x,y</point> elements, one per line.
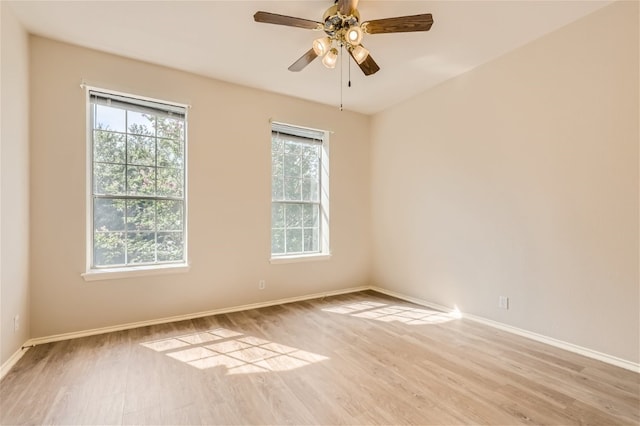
<point>138,203</point>
<point>299,177</point>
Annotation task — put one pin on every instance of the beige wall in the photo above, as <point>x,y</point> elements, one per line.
<point>229,195</point>
<point>14,184</point>
<point>520,178</point>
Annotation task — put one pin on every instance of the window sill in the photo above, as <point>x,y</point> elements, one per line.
<point>300,258</point>
<point>134,271</point>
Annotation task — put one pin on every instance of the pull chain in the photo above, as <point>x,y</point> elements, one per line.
<point>341,72</point>
<point>349,66</point>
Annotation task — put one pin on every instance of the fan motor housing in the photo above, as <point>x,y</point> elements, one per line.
<point>335,22</point>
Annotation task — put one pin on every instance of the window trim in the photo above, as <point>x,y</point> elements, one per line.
<point>296,258</point>
<point>323,229</point>
<point>135,271</point>
<point>125,271</point>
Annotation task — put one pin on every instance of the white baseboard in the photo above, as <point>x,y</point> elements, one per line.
<point>102,330</point>
<point>609,359</point>
<point>415,300</point>
<point>13,359</point>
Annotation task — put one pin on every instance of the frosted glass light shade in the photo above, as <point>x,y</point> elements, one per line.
<point>330,58</point>
<point>360,54</point>
<point>321,45</point>
<point>354,35</point>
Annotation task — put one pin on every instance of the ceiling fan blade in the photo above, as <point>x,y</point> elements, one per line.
<point>304,60</point>
<point>290,21</point>
<point>400,24</point>
<point>346,7</point>
<point>368,66</point>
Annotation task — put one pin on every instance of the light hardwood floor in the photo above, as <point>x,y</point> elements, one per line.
<point>361,358</point>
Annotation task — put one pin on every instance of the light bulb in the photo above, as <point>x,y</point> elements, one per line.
<point>354,35</point>
<point>359,53</point>
<point>330,58</point>
<point>321,45</point>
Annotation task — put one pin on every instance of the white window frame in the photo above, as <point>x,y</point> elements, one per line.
<point>126,271</point>
<point>324,252</point>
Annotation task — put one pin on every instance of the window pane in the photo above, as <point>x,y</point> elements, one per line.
<point>311,151</point>
<point>277,241</point>
<point>141,247</point>
<point>170,182</point>
<point>277,145</point>
<point>171,128</point>
<point>169,215</point>
<point>294,240</point>
<point>311,239</point>
<point>141,180</point>
<point>141,150</point>
<point>292,148</point>
<point>309,190</point>
<point>108,215</point>
<point>310,215</point>
<point>108,118</point>
<point>292,164</point>
<point>292,189</point>
<point>141,215</point>
<point>277,188</point>
<point>170,153</point>
<point>108,248</point>
<point>170,246</point>
<point>108,147</point>
<point>108,179</point>
<point>277,216</point>
<point>293,216</point>
<point>140,124</point>
<point>310,167</point>
<point>276,166</point>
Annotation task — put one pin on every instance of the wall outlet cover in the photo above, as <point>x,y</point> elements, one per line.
<point>503,302</point>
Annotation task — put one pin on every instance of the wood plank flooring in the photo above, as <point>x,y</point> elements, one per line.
<point>361,358</point>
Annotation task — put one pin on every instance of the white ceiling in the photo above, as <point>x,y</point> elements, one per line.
<point>219,39</point>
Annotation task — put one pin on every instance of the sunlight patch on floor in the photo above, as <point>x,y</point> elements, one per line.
<point>237,352</point>
<point>388,313</point>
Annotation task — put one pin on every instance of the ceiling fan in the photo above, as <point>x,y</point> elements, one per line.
<point>341,24</point>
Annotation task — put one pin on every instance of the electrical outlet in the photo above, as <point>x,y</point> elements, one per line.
<point>261,285</point>
<point>503,302</point>
<point>16,323</point>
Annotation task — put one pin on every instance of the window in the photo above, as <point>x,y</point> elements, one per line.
<point>299,191</point>
<point>137,209</point>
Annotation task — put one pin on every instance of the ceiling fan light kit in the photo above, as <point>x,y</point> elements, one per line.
<point>349,38</point>
<point>341,24</point>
